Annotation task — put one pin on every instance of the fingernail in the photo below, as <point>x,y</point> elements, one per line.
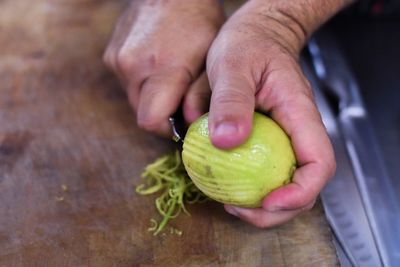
<point>231,210</point>
<point>225,129</point>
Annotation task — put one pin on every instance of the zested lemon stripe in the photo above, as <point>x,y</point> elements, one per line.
<point>227,185</point>
<point>218,164</point>
<point>202,144</point>
<point>222,158</point>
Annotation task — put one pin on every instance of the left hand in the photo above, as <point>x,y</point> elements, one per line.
<point>253,63</point>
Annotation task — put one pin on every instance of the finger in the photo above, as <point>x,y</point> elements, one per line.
<point>262,218</point>
<point>110,61</point>
<point>307,182</point>
<point>197,99</point>
<point>133,95</point>
<point>300,119</point>
<point>160,96</point>
<point>231,107</point>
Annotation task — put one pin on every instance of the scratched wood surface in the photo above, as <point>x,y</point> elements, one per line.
<point>70,153</point>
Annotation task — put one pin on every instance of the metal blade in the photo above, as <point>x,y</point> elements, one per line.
<point>374,186</point>
<point>341,199</point>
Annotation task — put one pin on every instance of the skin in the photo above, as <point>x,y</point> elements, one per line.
<point>159,50</point>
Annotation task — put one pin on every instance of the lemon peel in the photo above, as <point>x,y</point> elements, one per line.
<point>168,177</point>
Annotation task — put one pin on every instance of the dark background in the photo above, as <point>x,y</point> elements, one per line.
<point>371,42</point>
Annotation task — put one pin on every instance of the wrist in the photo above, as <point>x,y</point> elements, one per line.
<point>187,5</point>
<point>183,2</point>
<point>292,22</point>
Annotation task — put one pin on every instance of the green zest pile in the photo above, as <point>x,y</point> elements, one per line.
<point>167,176</point>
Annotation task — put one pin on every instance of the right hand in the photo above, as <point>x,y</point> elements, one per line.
<point>158,52</point>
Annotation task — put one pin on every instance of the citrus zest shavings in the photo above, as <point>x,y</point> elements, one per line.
<point>168,176</point>
<point>153,226</point>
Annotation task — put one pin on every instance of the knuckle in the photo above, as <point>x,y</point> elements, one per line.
<point>232,97</point>
<point>186,73</point>
<point>181,75</point>
<point>125,60</point>
<point>107,59</point>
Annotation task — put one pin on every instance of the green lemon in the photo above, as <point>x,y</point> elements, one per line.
<point>244,175</point>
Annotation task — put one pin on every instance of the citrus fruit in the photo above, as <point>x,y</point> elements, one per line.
<point>244,175</point>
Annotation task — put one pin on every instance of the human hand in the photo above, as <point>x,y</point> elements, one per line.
<point>253,63</point>
<point>158,52</point>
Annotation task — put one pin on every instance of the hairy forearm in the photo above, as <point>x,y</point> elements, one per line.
<point>305,15</point>
<point>294,21</point>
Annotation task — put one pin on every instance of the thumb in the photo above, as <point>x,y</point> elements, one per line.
<point>231,107</point>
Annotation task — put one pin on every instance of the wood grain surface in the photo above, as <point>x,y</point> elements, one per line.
<point>70,154</point>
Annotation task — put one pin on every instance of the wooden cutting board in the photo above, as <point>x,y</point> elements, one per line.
<point>70,154</point>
